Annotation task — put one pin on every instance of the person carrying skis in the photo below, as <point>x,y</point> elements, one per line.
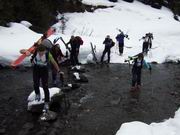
<point>40,61</point>
<point>108,45</point>
<point>150,38</point>
<point>58,56</point>
<point>145,44</point>
<point>75,43</point>
<point>138,64</point>
<point>120,38</point>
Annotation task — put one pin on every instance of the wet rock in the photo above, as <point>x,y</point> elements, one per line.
<point>42,132</point>
<point>57,98</point>
<point>53,132</point>
<point>174,93</point>
<point>36,106</point>
<point>154,62</point>
<point>85,98</point>
<point>115,101</point>
<point>26,128</point>
<point>2,131</point>
<point>80,78</point>
<point>49,116</point>
<point>70,87</point>
<point>79,69</point>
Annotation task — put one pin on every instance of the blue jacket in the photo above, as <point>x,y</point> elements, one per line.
<point>120,38</point>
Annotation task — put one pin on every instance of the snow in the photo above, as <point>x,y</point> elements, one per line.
<point>168,127</point>
<point>26,23</point>
<point>31,99</point>
<point>98,2</point>
<point>14,38</point>
<point>76,74</point>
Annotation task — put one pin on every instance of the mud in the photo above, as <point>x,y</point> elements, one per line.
<point>99,107</point>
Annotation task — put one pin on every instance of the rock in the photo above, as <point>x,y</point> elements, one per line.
<point>80,78</point>
<point>2,131</point>
<point>37,106</point>
<point>85,98</point>
<point>115,101</point>
<point>154,62</point>
<point>79,69</point>
<point>26,128</point>
<point>70,87</point>
<point>42,132</point>
<point>49,116</point>
<point>57,98</point>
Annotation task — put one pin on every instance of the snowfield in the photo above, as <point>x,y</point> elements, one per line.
<point>134,19</point>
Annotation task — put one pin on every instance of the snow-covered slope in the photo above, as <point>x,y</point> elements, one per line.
<point>134,19</point>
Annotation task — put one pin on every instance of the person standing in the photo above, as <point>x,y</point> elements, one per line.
<point>57,55</point>
<point>75,43</point>
<point>138,64</point>
<point>40,61</point>
<point>108,42</point>
<point>145,44</point>
<point>120,38</point>
<point>150,38</point>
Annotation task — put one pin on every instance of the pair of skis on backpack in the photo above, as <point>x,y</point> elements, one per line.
<point>131,58</point>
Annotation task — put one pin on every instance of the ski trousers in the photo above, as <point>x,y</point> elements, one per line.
<point>41,74</point>
<point>108,51</point>
<point>136,76</point>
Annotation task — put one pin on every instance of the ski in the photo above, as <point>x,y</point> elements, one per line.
<point>19,60</point>
<point>65,44</point>
<point>93,52</point>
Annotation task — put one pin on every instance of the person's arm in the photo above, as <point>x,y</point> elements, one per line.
<point>104,42</point>
<point>51,59</point>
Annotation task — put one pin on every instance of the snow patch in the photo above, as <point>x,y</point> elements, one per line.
<point>26,23</point>
<point>31,98</point>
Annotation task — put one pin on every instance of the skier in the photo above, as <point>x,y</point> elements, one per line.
<point>108,44</point>
<point>75,43</point>
<point>58,56</point>
<point>150,38</point>
<point>145,44</point>
<point>120,38</point>
<point>139,62</point>
<point>40,61</point>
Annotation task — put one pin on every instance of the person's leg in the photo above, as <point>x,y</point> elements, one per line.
<point>143,48</point>
<point>44,79</point>
<point>102,57</point>
<point>139,78</point>
<point>36,82</point>
<point>134,78</point>
<point>109,55</point>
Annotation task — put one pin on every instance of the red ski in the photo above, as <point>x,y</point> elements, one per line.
<point>32,48</point>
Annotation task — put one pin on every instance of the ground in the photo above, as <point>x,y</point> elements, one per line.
<point>99,107</point>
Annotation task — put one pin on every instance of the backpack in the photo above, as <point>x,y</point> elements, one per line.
<point>33,58</point>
